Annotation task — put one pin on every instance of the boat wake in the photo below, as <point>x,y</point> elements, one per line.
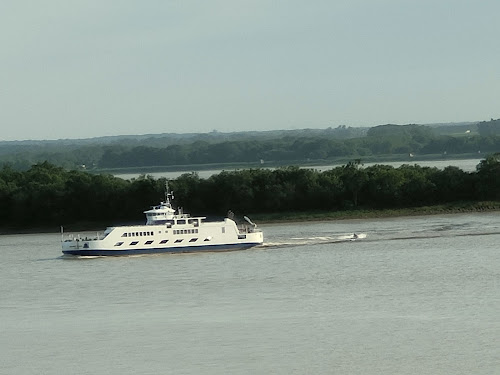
<point>304,241</point>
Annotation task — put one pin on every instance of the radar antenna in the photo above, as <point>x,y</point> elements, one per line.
<point>250,221</point>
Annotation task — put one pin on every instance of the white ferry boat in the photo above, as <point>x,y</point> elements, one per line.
<point>167,231</point>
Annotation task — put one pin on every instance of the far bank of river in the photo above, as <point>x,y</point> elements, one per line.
<point>306,216</point>
<point>439,209</point>
<point>467,165</point>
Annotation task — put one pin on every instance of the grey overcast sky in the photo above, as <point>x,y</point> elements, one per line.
<point>88,68</point>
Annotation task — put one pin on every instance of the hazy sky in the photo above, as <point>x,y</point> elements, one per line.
<point>87,68</point>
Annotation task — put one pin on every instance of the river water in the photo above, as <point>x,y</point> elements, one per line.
<point>417,295</point>
<point>467,165</point>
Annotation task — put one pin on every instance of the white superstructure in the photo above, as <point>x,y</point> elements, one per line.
<point>167,231</point>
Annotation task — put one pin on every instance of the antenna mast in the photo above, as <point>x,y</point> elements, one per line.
<point>168,195</point>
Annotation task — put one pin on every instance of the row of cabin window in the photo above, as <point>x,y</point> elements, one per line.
<point>178,231</point>
<point>189,221</point>
<point>185,231</point>
<point>137,234</point>
<point>149,242</point>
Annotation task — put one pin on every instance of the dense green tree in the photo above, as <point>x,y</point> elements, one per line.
<point>384,187</point>
<point>417,187</point>
<point>452,184</point>
<point>47,195</point>
<point>488,172</point>
<point>354,178</point>
<point>488,128</point>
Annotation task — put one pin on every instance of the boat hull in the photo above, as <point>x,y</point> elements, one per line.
<point>169,250</point>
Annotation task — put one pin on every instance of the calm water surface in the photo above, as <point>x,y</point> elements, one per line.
<point>416,296</point>
<point>467,165</point>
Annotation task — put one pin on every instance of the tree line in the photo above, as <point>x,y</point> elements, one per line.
<point>251,148</point>
<point>47,195</point>
<point>379,141</point>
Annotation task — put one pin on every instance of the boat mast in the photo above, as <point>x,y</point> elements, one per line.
<point>168,195</point>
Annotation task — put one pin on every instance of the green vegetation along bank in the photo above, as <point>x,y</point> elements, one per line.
<point>46,196</point>
<point>273,148</point>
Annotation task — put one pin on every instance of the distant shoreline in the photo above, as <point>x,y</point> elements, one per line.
<point>295,217</point>
<point>444,209</point>
<point>403,158</point>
